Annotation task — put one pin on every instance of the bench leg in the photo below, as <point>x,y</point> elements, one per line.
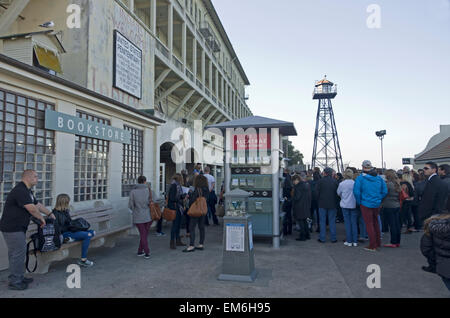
<point>111,240</point>
<point>46,259</point>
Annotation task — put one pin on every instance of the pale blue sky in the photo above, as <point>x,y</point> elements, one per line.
<point>394,78</point>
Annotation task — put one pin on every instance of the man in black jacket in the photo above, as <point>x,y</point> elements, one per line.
<point>326,191</point>
<point>444,172</point>
<point>435,194</point>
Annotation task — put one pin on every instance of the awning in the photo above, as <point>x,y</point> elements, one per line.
<point>47,58</point>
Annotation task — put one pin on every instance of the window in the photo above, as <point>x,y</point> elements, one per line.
<point>133,160</point>
<point>143,11</point>
<point>25,144</point>
<point>91,165</point>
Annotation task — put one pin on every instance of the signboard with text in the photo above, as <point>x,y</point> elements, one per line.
<point>127,66</point>
<point>83,127</point>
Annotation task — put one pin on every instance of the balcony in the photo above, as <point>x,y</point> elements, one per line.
<point>325,91</point>
<point>214,99</point>
<point>208,93</point>
<point>214,45</point>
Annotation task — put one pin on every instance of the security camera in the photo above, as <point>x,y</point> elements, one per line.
<point>381,133</point>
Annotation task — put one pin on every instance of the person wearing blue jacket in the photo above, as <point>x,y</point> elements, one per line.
<point>369,190</point>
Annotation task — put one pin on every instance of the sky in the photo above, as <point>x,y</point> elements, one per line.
<point>393,78</point>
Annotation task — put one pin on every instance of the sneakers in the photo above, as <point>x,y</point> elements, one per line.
<point>392,245</point>
<point>370,249</point>
<point>140,254</point>
<point>147,256</point>
<point>27,280</point>
<point>355,244</point>
<point>348,244</point>
<point>160,234</point>
<point>86,263</point>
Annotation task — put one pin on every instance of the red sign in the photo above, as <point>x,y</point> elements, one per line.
<point>252,142</point>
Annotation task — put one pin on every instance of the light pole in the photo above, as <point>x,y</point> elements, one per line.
<point>380,134</point>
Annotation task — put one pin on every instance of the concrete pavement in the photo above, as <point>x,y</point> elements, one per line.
<point>298,269</point>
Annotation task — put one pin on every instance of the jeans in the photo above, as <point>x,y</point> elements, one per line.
<point>17,250</point>
<point>351,224</point>
<point>406,214</point>
<point>417,221</point>
<point>331,213</point>
<point>81,236</point>
<point>393,218</point>
<point>143,229</point>
<point>446,282</point>
<point>211,212</point>
<point>176,225</point>
<point>370,216</point>
<point>159,226</point>
<point>362,226</point>
<point>287,222</point>
<point>384,222</point>
<point>201,227</point>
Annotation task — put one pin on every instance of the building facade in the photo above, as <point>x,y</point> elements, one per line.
<point>158,70</point>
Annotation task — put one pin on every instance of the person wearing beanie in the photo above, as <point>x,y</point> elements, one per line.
<point>369,190</point>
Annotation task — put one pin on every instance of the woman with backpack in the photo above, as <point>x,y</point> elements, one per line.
<point>435,246</point>
<point>201,189</point>
<point>63,219</point>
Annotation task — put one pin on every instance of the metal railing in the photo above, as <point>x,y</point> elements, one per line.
<point>177,63</point>
<point>199,84</point>
<point>162,49</point>
<point>325,89</point>
<point>190,75</point>
<point>207,91</point>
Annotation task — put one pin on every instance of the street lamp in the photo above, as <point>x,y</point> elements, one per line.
<point>380,134</point>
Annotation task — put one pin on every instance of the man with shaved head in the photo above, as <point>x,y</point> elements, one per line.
<point>20,205</point>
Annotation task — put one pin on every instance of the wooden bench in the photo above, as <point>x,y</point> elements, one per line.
<point>105,237</point>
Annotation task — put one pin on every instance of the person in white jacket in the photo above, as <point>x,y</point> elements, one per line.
<point>348,205</point>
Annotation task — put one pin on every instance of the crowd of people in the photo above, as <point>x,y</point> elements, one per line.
<point>371,202</point>
<point>368,201</point>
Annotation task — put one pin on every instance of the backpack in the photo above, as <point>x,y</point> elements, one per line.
<point>47,239</point>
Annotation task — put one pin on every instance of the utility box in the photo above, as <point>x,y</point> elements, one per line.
<point>238,253</point>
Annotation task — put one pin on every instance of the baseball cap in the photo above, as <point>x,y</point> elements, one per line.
<point>367,164</point>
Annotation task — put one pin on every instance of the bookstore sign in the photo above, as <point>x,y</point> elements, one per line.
<point>86,128</point>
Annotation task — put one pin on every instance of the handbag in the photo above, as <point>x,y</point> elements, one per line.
<point>220,211</point>
<point>169,215</point>
<point>79,225</point>
<point>199,207</point>
<point>155,211</point>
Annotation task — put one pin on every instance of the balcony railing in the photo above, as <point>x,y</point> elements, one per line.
<point>208,93</point>
<point>177,63</point>
<point>190,75</point>
<point>199,84</point>
<point>162,49</point>
<point>178,5</point>
<point>205,30</point>
<point>214,99</point>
